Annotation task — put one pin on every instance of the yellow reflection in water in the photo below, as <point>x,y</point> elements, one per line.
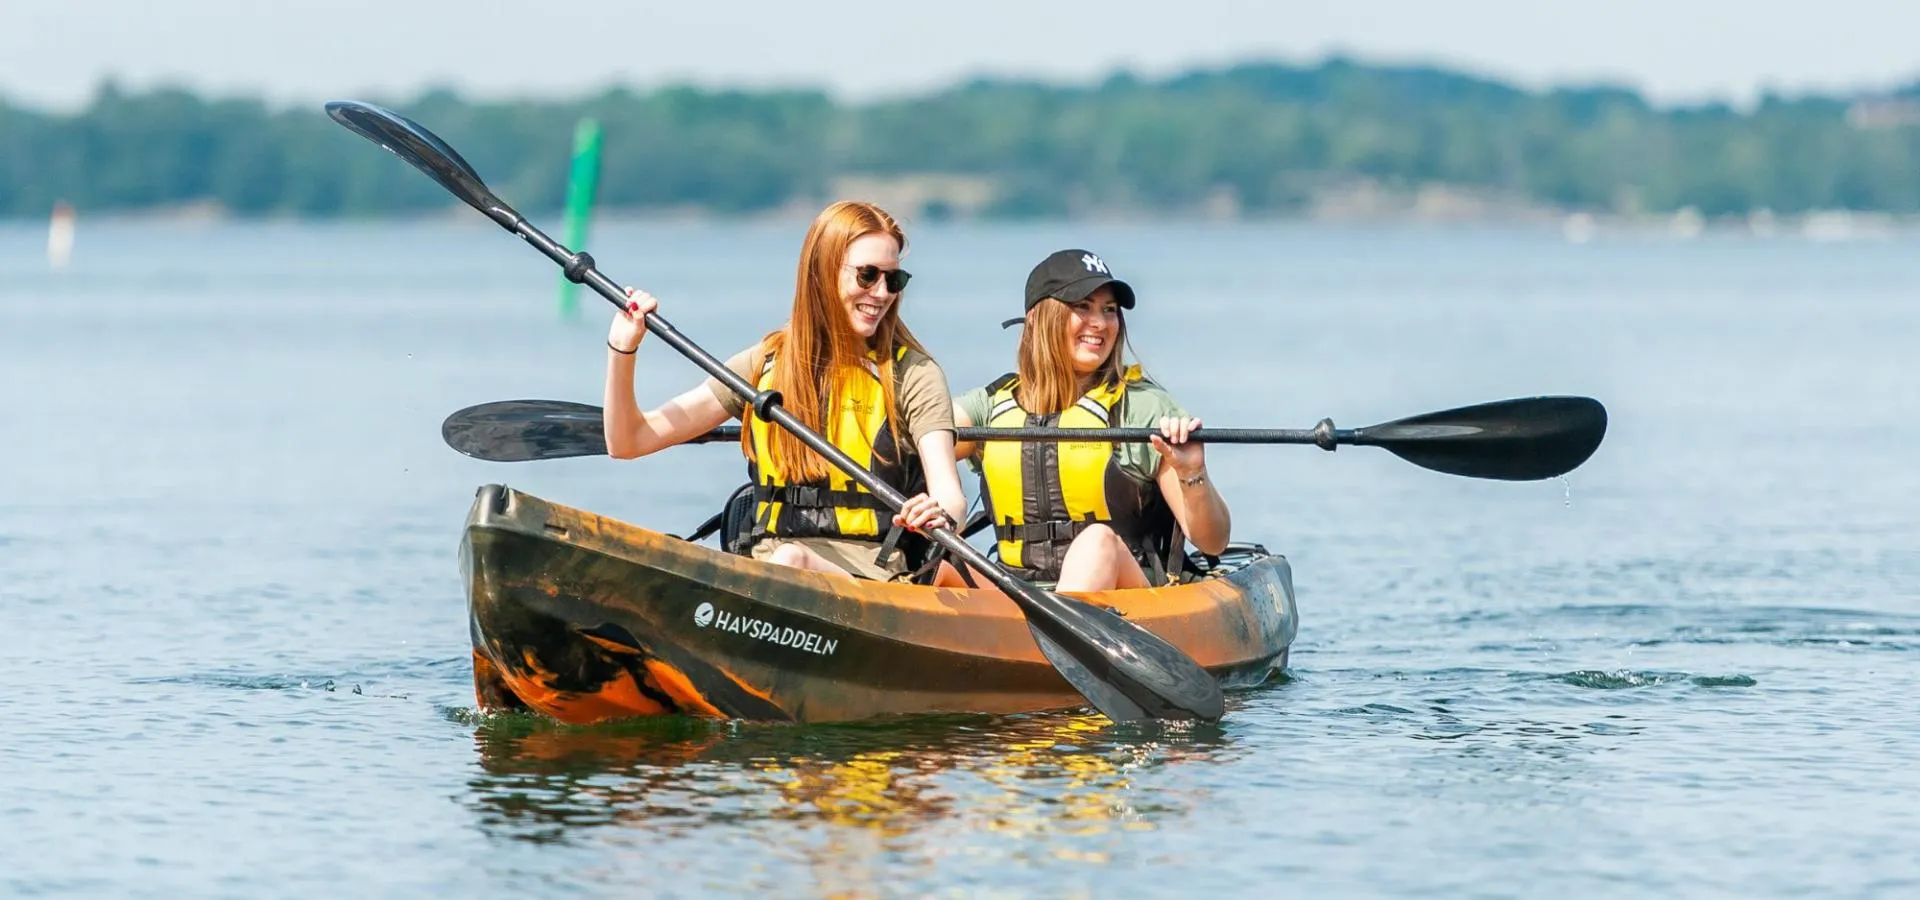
<point>875,788</point>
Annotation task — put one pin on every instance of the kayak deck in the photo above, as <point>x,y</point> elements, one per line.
<point>587,619</point>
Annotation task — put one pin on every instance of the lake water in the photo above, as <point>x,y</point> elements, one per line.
<point>237,659</point>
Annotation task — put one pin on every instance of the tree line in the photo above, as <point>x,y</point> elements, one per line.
<point>1254,139</point>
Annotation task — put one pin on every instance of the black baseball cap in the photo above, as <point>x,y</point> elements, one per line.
<point>1069,276</point>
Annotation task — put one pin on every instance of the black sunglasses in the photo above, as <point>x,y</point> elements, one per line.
<point>897,279</point>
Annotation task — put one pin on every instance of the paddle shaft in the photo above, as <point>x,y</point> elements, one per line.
<point>1201,435</point>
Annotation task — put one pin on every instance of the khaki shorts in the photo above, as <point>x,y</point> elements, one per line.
<point>856,557</point>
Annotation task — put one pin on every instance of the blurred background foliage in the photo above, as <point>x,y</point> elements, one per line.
<point>1257,139</point>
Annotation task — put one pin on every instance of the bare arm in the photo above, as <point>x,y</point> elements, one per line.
<point>943,476</point>
<point>963,449</point>
<point>944,501</point>
<point>1188,489</point>
<point>630,432</point>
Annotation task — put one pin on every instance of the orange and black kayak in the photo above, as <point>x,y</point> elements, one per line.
<point>587,619</point>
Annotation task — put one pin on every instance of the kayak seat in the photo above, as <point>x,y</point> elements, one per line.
<point>736,521</point>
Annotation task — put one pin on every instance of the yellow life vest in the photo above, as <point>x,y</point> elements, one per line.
<point>1042,495</point>
<point>837,506</point>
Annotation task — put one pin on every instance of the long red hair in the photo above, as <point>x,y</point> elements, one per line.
<point>818,348</point>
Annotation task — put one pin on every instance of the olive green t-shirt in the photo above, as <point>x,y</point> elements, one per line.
<point>919,387</point>
<point>1144,405</point>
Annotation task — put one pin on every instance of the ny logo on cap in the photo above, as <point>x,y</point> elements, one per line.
<point>1094,264</point>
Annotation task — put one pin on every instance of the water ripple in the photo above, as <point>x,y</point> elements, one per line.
<point>1621,678</point>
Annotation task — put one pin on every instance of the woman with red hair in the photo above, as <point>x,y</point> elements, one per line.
<point>845,366</point>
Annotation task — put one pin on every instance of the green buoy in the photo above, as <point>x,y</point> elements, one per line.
<point>581,184</point>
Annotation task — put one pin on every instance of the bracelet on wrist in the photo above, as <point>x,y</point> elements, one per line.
<point>1199,478</point>
<point>610,346</point>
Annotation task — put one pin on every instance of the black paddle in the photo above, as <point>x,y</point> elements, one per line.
<point>1125,671</point>
<point>1509,440</point>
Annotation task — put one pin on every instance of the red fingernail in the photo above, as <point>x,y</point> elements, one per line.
<point>634,306</point>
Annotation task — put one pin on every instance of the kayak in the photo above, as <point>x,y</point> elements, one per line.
<point>588,619</point>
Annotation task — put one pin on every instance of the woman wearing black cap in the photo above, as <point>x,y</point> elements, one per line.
<point>1088,516</point>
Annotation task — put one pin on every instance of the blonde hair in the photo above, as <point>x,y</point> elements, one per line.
<point>1048,384</point>
<point>818,349</point>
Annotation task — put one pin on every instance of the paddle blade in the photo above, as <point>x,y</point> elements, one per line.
<point>421,148</point>
<point>1510,440</point>
<point>529,430</point>
<point>523,430</point>
<point>1105,697</point>
<point>1128,673</point>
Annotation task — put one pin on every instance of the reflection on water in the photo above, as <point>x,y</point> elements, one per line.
<point>1060,774</point>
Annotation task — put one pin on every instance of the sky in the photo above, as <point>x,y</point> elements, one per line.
<point>54,53</point>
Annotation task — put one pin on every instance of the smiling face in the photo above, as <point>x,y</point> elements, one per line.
<point>1067,348</point>
<point>1093,328</point>
<point>867,306</point>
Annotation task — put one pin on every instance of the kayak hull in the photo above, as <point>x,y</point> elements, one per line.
<point>587,619</point>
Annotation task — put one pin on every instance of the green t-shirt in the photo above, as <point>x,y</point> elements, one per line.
<point>1144,405</point>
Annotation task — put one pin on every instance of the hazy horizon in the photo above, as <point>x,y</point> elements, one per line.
<point>54,55</point>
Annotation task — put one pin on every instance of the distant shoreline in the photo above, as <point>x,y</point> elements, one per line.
<point>1339,141</point>
<point>1576,227</point>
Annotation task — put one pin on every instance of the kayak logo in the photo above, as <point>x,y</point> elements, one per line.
<point>762,630</point>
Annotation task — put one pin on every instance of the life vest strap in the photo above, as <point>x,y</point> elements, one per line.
<point>816,497</point>
<point>1042,532</point>
<point>889,546</point>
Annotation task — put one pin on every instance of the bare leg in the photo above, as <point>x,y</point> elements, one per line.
<point>1098,560</point>
<point>801,558</point>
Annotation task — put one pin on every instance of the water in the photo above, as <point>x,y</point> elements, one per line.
<point>237,659</point>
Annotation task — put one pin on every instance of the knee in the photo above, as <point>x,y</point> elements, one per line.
<point>1101,539</point>
<point>788,555</point>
